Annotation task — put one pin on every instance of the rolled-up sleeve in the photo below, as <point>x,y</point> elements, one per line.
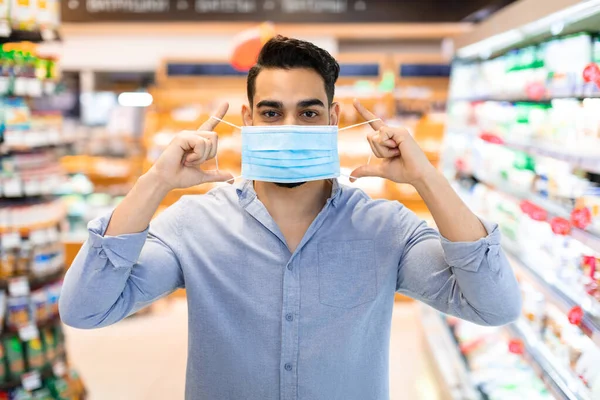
<point>470,280</point>
<point>115,276</point>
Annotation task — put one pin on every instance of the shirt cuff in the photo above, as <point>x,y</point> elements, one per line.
<point>468,256</point>
<point>122,251</point>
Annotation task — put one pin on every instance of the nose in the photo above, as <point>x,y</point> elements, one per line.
<point>290,119</point>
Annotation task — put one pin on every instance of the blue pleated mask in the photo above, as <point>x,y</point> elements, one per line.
<point>290,153</point>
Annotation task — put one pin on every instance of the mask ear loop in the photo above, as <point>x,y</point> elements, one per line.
<point>339,130</point>
<point>354,126</point>
<point>216,155</point>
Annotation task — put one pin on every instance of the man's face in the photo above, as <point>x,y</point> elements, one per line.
<point>290,97</point>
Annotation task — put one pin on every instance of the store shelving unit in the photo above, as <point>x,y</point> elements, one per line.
<point>560,381</point>
<point>33,360</point>
<point>440,347</point>
<point>503,125</point>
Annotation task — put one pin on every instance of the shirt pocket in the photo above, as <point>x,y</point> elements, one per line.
<point>347,274</point>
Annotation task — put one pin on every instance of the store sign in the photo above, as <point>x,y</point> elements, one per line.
<point>293,11</point>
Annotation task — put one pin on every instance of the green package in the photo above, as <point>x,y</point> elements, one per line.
<point>14,356</point>
<point>42,394</point>
<point>2,364</point>
<point>49,344</point>
<point>35,354</point>
<point>59,388</point>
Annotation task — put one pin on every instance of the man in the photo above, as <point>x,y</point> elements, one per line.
<point>290,287</point>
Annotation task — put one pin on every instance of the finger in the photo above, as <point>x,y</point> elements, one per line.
<point>191,143</point>
<point>207,149</point>
<point>217,176</point>
<point>365,170</point>
<point>212,123</point>
<point>193,159</point>
<point>389,143</point>
<point>374,148</point>
<point>368,115</point>
<point>214,142</point>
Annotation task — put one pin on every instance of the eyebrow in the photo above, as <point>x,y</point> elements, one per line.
<point>310,103</point>
<point>270,103</point>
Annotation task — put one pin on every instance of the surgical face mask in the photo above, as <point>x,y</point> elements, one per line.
<point>290,153</point>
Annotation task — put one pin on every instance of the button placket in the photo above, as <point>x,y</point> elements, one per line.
<point>289,338</point>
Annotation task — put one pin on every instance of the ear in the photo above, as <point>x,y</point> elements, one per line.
<point>334,114</point>
<point>247,115</point>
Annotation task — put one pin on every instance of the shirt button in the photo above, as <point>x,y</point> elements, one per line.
<point>289,317</point>
<point>288,367</point>
<point>290,267</point>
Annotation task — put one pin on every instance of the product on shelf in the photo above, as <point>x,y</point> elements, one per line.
<point>497,372</point>
<point>550,69</point>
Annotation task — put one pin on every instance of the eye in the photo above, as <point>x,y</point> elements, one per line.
<point>270,114</point>
<point>310,114</point>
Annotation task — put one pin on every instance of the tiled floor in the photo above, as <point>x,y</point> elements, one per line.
<point>143,358</point>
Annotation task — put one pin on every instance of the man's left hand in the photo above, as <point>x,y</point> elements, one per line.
<point>403,159</point>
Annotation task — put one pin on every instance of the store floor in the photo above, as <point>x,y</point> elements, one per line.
<point>143,358</point>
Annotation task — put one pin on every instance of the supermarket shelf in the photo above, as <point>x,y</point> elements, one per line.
<point>35,36</point>
<point>40,325</point>
<point>449,363</point>
<point>558,293</point>
<point>590,239</point>
<point>561,381</point>
<point>588,162</point>
<point>37,282</point>
<point>510,99</point>
<point>46,372</point>
<point>29,149</point>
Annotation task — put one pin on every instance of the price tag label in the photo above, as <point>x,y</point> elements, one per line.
<point>29,332</point>
<point>52,234</point>
<point>12,187</point>
<point>18,286</point>
<point>32,187</point>
<point>11,240</point>
<point>31,380</point>
<point>35,87</point>
<point>21,86</point>
<point>5,30</point>
<point>48,35</point>
<point>49,88</point>
<point>4,85</point>
<point>59,368</point>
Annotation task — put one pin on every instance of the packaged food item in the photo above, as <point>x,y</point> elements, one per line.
<point>2,366</point>
<point>35,354</point>
<point>18,311</point>
<point>53,293</point>
<point>39,305</point>
<point>25,255</point>
<point>2,308</point>
<point>21,394</point>
<point>22,14</point>
<point>42,394</point>
<point>60,389</point>
<point>59,339</point>
<point>14,356</point>
<point>8,263</point>
<point>49,343</point>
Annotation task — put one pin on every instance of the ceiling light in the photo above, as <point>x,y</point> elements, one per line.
<point>135,99</point>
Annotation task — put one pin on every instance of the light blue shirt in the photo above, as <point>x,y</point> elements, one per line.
<point>265,324</point>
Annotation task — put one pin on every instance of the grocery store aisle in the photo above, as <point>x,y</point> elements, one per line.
<point>144,357</point>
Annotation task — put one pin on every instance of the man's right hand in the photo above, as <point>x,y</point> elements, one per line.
<point>179,166</point>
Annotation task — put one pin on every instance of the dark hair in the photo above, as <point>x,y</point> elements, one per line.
<point>284,53</point>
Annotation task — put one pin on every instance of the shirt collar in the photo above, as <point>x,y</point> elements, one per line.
<point>246,193</point>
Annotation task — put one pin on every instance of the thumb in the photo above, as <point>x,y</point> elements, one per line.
<point>217,176</point>
<point>364,170</point>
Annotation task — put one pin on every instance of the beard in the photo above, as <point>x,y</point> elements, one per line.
<point>290,185</point>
